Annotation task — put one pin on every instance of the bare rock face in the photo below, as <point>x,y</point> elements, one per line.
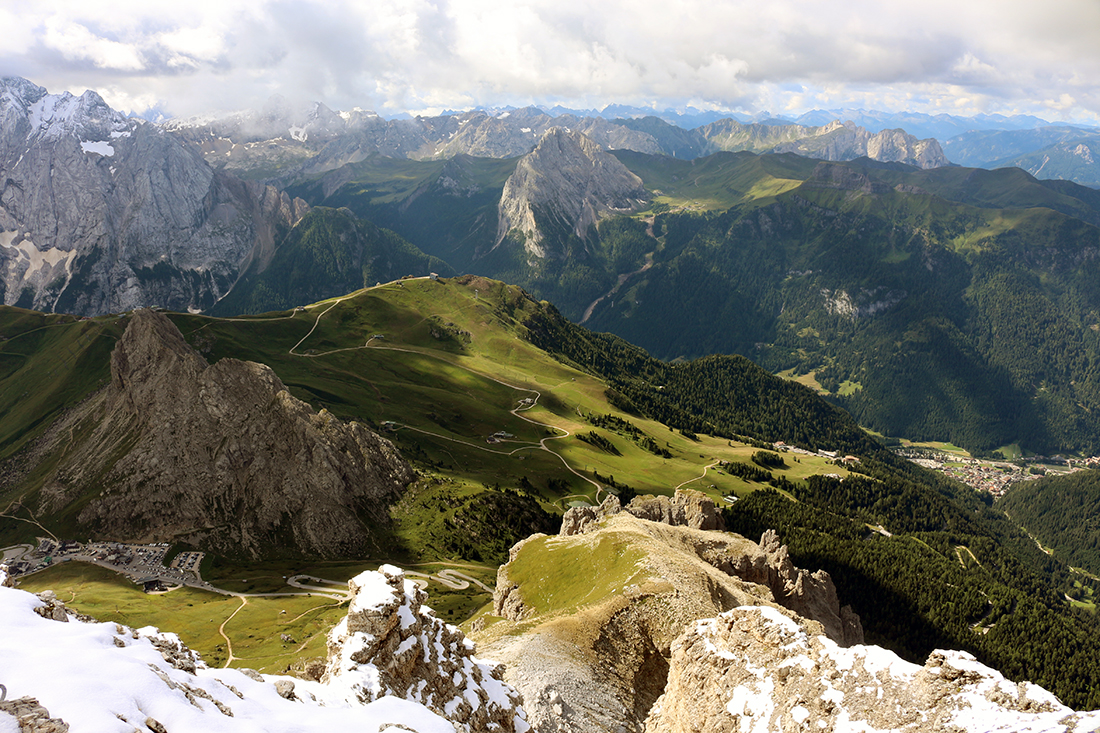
<point>754,669</point>
<point>390,644</point>
<point>103,213</point>
<point>686,508</point>
<point>221,455</point>
<point>568,180</point>
<point>835,141</point>
<point>810,595</point>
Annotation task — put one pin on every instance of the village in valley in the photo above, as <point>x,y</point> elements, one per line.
<point>993,476</point>
<point>142,564</point>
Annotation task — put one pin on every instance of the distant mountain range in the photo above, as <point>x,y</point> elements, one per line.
<point>941,126</point>
<point>274,140</point>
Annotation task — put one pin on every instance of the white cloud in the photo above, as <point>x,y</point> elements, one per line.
<point>76,42</point>
<point>785,55</point>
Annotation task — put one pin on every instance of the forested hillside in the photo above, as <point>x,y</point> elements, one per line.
<point>330,252</point>
<point>1063,513</point>
<point>924,317</point>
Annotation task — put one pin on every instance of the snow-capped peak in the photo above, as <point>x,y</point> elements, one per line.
<point>55,115</point>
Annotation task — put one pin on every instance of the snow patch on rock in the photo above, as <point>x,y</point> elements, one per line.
<point>390,643</point>
<point>95,676</point>
<point>755,669</point>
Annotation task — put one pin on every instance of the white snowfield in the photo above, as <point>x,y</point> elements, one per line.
<point>103,677</point>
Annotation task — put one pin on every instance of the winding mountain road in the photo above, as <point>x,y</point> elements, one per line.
<point>541,445</point>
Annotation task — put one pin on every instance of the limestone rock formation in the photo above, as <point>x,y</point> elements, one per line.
<point>687,508</point>
<point>567,181</point>
<point>596,660</point>
<point>102,213</point>
<point>218,455</point>
<point>30,717</point>
<point>836,141</point>
<point>390,644</point>
<point>811,595</point>
<point>752,668</point>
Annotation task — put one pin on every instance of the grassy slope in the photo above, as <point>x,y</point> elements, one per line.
<point>448,392</point>
<point>441,391</point>
<point>196,616</point>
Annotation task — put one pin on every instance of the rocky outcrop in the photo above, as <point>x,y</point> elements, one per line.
<point>811,595</point>
<point>686,508</point>
<point>220,456</point>
<point>567,181</point>
<point>30,717</point>
<point>599,662</point>
<point>394,667</point>
<point>103,213</point>
<point>754,669</point>
<point>390,644</point>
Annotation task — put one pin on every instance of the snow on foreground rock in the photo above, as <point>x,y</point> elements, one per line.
<point>104,677</point>
<point>390,644</point>
<point>753,670</point>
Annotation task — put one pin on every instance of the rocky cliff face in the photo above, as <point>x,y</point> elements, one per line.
<point>686,508</point>
<point>845,141</point>
<point>567,181</point>
<point>219,455</point>
<point>754,669</point>
<point>835,141</point>
<point>600,664</point>
<point>103,213</point>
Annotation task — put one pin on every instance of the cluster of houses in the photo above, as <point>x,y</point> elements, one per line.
<point>993,477</point>
<point>143,564</point>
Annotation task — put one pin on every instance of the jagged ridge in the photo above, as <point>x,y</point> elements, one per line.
<point>220,455</point>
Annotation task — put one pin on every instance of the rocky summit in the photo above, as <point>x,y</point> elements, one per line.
<point>390,644</point>
<point>591,615</point>
<point>180,450</point>
<point>567,181</point>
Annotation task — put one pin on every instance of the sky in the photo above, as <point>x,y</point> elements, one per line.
<point>961,57</point>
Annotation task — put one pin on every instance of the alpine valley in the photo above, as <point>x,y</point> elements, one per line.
<point>633,454</point>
